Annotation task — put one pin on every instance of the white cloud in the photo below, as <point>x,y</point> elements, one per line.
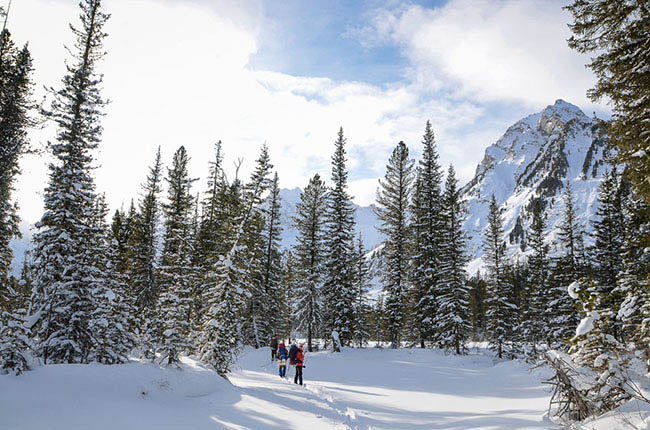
<point>486,50</point>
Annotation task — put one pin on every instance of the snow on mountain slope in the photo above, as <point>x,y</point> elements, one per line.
<point>533,160</point>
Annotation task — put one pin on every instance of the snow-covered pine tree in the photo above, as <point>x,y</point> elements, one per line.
<point>176,267</point>
<point>361,333</point>
<point>338,289</point>
<point>426,227</point>
<point>63,300</point>
<point>110,317</point>
<point>379,321</point>
<point>207,247</point>
<point>15,107</point>
<point>226,300</point>
<point>501,311</point>
<point>453,315</point>
<point>195,275</point>
<point>634,277</point>
<point>392,204</point>
<point>284,318</point>
<point>310,255</point>
<point>209,244</point>
<point>143,244</point>
<point>477,299</point>
<point>535,310</point>
<point>14,342</point>
<point>594,348</point>
<point>257,325</point>
<point>144,280</point>
<point>608,247</point>
<point>567,268</point>
<point>15,119</point>
<point>122,229</point>
<point>272,261</point>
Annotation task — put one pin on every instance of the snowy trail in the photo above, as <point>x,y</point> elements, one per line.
<point>367,389</point>
<point>411,389</point>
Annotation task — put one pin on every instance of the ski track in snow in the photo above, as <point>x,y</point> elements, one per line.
<point>374,389</point>
<point>367,389</point>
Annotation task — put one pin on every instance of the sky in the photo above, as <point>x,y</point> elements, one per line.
<point>290,73</point>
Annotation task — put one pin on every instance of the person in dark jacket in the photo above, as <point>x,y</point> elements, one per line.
<point>300,364</point>
<point>274,347</point>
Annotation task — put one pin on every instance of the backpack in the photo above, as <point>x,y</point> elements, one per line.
<point>282,351</point>
<point>292,354</point>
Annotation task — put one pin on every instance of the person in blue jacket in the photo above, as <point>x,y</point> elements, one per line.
<point>282,359</point>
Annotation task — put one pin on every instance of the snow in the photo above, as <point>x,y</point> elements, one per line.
<point>573,289</point>
<point>587,324</point>
<point>356,389</point>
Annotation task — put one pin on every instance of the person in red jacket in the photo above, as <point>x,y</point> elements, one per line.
<point>300,364</point>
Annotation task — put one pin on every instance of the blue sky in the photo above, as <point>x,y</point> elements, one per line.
<point>310,39</point>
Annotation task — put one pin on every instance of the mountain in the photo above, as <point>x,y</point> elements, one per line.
<point>365,219</point>
<point>533,160</point>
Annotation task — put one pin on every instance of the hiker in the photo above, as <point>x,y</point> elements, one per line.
<point>274,347</point>
<point>300,364</point>
<point>282,359</point>
<point>292,356</point>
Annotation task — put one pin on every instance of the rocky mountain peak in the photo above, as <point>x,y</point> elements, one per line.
<point>533,160</point>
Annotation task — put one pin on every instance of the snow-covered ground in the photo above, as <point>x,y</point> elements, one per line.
<point>356,389</point>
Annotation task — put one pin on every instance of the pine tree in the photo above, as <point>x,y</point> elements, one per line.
<point>426,225</point>
<point>15,120</point>
<point>226,300</point>
<point>477,301</point>
<point>272,262</point>
<point>568,267</point>
<point>110,316</point>
<point>379,321</point>
<point>176,268</point>
<point>361,305</point>
<point>63,301</point>
<point>257,325</point>
<point>195,277</point>
<point>310,255</point>
<point>15,108</point>
<point>634,278</point>
<point>501,311</point>
<point>607,250</point>
<point>338,289</point>
<point>122,230</point>
<point>212,210</point>
<point>618,34</point>
<point>284,318</point>
<point>453,314</point>
<point>535,310</point>
<point>393,200</point>
<point>594,348</point>
<point>14,342</point>
<point>143,274</point>
<point>210,235</point>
